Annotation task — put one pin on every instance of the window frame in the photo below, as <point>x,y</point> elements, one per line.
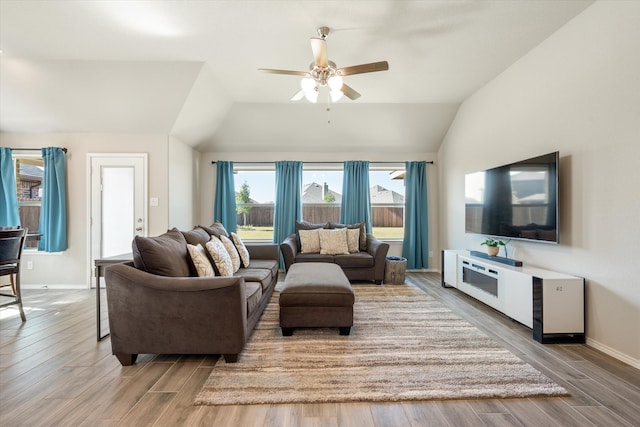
<point>17,157</point>
<point>309,167</point>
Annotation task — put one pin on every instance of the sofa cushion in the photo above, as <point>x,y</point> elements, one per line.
<point>242,249</point>
<point>313,258</point>
<point>258,275</point>
<point>220,256</point>
<point>195,236</point>
<point>200,260</point>
<point>333,242</point>
<point>360,226</point>
<point>164,255</point>
<point>215,229</point>
<point>232,251</point>
<point>309,241</point>
<point>356,260</point>
<point>265,264</point>
<point>253,293</point>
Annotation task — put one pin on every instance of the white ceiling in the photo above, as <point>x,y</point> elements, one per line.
<point>189,68</point>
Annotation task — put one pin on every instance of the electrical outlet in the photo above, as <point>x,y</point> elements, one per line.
<point>430,254</point>
<point>29,265</point>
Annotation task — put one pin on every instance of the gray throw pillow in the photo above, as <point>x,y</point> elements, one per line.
<point>164,255</point>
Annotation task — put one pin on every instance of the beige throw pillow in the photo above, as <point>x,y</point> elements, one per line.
<point>233,252</point>
<point>220,256</point>
<point>309,241</point>
<point>242,250</point>
<point>353,240</point>
<point>200,260</point>
<point>334,242</point>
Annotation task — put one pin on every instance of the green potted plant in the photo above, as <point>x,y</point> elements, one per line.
<point>493,245</point>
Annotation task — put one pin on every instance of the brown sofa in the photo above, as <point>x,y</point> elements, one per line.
<point>366,264</point>
<point>157,303</point>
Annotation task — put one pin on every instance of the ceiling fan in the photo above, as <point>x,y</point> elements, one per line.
<point>323,72</point>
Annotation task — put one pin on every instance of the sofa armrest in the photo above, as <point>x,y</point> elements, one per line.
<point>289,249</point>
<point>378,250</point>
<point>188,315</point>
<point>263,251</point>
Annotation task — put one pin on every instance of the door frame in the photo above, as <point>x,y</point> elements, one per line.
<point>89,195</point>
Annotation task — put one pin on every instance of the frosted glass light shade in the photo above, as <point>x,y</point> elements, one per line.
<point>308,84</point>
<point>311,95</point>
<point>335,83</point>
<point>336,95</point>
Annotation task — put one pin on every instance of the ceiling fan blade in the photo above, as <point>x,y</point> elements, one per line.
<point>289,72</point>
<point>349,92</point>
<point>298,96</point>
<point>364,68</point>
<point>319,48</point>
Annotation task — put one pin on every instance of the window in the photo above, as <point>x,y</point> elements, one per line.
<point>255,195</point>
<point>29,170</point>
<point>387,202</point>
<point>321,199</point>
<point>321,195</point>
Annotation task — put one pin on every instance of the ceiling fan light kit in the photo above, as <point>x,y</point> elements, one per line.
<point>323,72</point>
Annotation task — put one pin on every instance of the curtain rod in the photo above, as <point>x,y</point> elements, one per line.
<point>35,149</point>
<point>213,162</point>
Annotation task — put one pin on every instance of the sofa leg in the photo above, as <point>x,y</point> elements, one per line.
<point>230,358</point>
<point>126,359</point>
<point>378,282</point>
<point>287,332</point>
<point>345,330</point>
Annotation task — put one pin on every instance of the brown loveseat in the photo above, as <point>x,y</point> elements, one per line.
<point>157,303</point>
<point>365,263</point>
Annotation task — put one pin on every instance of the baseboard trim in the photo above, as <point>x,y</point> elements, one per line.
<point>57,287</point>
<point>613,353</point>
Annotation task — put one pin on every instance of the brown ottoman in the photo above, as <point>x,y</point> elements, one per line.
<point>316,294</point>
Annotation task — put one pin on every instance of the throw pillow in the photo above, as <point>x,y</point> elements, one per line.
<point>242,250</point>
<point>233,252</point>
<point>164,255</point>
<point>334,242</point>
<point>309,241</point>
<point>363,232</point>
<point>200,260</point>
<point>303,225</point>
<point>215,229</point>
<point>220,256</point>
<point>196,235</point>
<point>353,240</point>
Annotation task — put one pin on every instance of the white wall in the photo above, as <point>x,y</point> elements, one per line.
<point>71,268</point>
<point>577,93</point>
<point>183,185</point>
<point>208,175</point>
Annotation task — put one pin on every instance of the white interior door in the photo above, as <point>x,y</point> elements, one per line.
<point>118,208</point>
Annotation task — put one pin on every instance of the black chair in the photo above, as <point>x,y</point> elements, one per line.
<point>11,244</point>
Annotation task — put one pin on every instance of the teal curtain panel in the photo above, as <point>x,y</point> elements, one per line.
<point>53,212</point>
<point>416,234</point>
<point>224,204</point>
<point>9,216</point>
<point>356,198</point>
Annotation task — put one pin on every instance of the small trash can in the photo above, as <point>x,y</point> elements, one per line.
<point>394,270</point>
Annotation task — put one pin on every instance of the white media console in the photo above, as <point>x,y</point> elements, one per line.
<point>550,303</point>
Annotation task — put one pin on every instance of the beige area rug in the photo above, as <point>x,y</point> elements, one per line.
<point>404,345</point>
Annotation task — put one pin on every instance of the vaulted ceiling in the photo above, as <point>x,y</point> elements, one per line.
<point>189,68</point>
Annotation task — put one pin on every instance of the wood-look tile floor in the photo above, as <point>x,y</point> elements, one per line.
<point>54,373</point>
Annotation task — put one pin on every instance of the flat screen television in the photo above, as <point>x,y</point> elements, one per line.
<point>515,201</point>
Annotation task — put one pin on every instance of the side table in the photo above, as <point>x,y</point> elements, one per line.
<point>100,265</point>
